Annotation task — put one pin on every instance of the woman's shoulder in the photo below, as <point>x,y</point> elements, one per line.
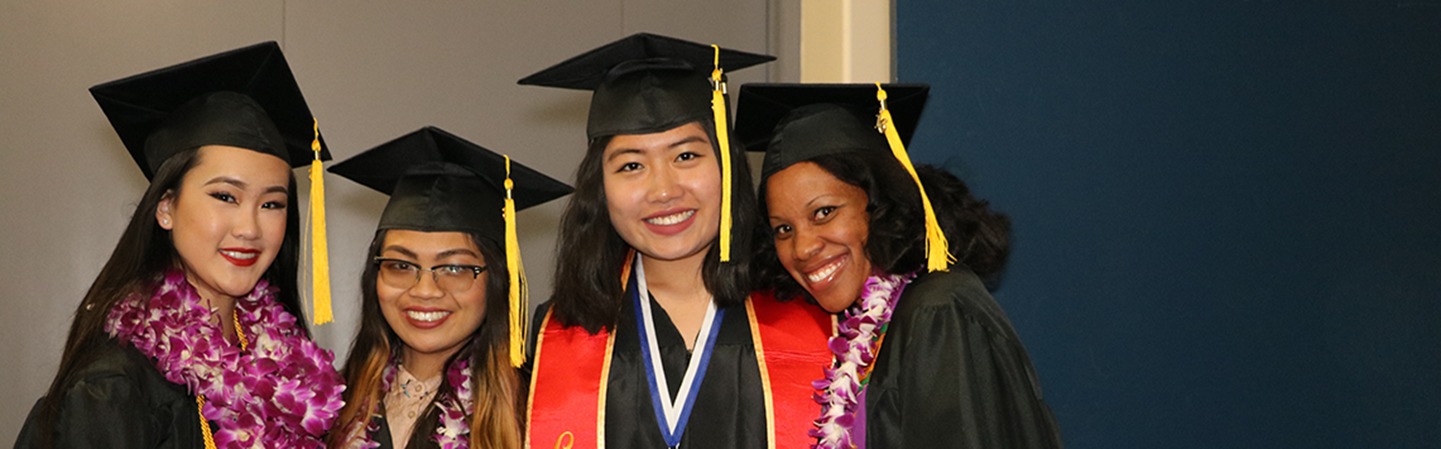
<point>115,399</point>
<point>537,317</point>
<point>956,288</point>
<point>121,371</point>
<point>957,293</point>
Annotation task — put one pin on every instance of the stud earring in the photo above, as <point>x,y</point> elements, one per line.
<point>165,222</point>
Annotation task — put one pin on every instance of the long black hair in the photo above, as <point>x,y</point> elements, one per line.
<point>591,254</point>
<point>979,237</point>
<point>496,418</point>
<point>142,256</point>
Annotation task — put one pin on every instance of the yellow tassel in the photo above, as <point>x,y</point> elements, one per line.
<point>320,255</point>
<point>722,132</point>
<point>938,255</point>
<point>519,292</point>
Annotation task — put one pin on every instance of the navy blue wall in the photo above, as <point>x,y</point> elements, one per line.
<point>1227,214</point>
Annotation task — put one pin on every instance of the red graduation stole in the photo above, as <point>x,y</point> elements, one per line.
<point>790,339</point>
<point>566,407</point>
<point>567,387</point>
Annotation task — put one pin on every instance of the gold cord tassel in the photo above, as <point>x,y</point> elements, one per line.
<point>320,255</point>
<point>519,292</point>
<point>938,255</point>
<point>205,432</point>
<point>723,142</point>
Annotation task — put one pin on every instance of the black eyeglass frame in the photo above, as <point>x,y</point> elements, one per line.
<point>475,271</point>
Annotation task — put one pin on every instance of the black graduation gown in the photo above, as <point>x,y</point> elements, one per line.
<point>729,410</point>
<point>119,400</point>
<point>419,438</point>
<point>952,373</point>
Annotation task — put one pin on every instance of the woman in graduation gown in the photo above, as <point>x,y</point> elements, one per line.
<point>189,336</point>
<point>924,357</point>
<point>433,365</point>
<point>650,339</point>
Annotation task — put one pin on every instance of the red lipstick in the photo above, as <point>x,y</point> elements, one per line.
<point>247,257</point>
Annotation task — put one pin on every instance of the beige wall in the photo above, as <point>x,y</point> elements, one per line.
<point>846,41</point>
<point>370,74</point>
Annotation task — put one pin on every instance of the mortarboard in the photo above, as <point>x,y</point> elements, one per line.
<point>647,83</point>
<point>245,98</point>
<point>644,83</point>
<point>795,123</point>
<point>439,182</point>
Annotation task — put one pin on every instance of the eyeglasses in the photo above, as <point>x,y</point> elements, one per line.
<point>403,274</point>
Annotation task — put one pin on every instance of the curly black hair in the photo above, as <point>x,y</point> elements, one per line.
<point>979,237</point>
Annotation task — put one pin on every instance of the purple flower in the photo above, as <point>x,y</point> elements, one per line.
<point>854,347</point>
<point>282,391</point>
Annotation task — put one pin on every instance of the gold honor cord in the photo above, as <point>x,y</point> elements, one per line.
<point>938,255</point>
<point>722,132</point>
<point>759,345</point>
<point>320,252</point>
<point>204,424</point>
<point>200,400</point>
<point>519,292</point>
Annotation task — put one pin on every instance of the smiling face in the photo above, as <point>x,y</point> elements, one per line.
<point>227,219</point>
<point>432,321</point>
<point>820,225</point>
<point>663,191</point>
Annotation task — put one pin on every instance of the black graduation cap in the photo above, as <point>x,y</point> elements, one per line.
<point>439,182</point>
<point>644,83</point>
<point>246,98</point>
<point>797,122</point>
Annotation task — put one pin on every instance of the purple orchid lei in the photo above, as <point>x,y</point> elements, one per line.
<point>454,431</point>
<point>854,349</point>
<point>455,407</point>
<point>282,392</point>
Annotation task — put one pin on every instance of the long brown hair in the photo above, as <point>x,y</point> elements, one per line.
<point>143,254</point>
<point>496,419</point>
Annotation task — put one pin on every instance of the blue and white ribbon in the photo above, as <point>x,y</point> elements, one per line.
<point>672,414</point>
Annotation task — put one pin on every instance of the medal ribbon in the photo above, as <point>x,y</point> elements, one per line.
<point>672,415</point>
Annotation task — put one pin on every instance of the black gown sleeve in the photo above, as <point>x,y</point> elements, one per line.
<point>954,374</point>
<point>120,401</point>
<point>106,412</point>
